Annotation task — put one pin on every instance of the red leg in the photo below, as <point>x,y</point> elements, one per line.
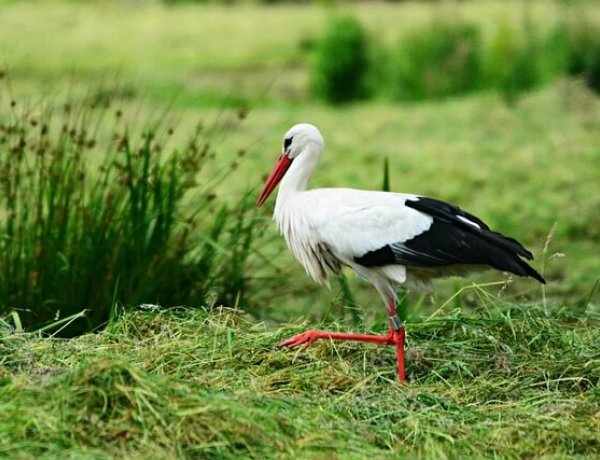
<point>399,342</point>
<point>397,329</point>
<point>395,337</point>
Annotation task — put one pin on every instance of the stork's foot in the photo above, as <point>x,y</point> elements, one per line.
<point>394,337</point>
<point>305,339</point>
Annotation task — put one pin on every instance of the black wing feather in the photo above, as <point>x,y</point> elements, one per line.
<point>444,211</point>
<point>455,237</point>
<point>447,212</point>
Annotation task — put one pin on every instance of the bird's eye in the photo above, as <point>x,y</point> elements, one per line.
<point>287,142</point>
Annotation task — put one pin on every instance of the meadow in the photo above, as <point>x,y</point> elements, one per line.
<point>171,115</point>
<point>188,383</point>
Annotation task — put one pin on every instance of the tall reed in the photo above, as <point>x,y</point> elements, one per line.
<point>95,211</point>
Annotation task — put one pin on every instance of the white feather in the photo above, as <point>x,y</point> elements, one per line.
<point>354,222</point>
<point>467,221</point>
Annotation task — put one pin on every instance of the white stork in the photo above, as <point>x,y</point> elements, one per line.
<point>387,238</point>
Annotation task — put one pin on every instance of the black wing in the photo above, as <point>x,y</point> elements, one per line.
<point>455,237</point>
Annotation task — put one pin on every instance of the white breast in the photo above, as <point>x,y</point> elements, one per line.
<point>294,222</point>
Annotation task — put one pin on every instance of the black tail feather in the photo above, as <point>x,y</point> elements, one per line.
<point>515,251</point>
<point>530,271</point>
<point>459,237</point>
<point>505,254</point>
<point>510,244</point>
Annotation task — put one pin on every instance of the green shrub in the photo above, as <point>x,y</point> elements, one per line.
<point>553,53</point>
<point>592,73</point>
<point>583,52</point>
<point>514,62</point>
<point>571,48</point>
<point>88,220</point>
<point>441,60</point>
<point>341,65</point>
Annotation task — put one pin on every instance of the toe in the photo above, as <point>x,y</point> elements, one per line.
<point>305,339</point>
<point>294,341</point>
<point>286,343</point>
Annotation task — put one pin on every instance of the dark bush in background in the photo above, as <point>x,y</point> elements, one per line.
<point>583,52</point>
<point>592,73</point>
<point>87,220</point>
<point>341,64</point>
<point>448,58</point>
<point>442,60</point>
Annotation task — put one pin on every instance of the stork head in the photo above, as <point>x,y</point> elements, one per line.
<point>302,146</point>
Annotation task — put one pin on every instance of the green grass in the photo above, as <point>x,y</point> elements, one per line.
<point>508,382</point>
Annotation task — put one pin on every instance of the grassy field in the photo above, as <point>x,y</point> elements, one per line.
<point>509,383</point>
<point>203,53</point>
<point>501,368</point>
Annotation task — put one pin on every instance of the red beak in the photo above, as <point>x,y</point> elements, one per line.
<point>276,175</point>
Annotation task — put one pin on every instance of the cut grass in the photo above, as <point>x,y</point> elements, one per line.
<point>510,382</point>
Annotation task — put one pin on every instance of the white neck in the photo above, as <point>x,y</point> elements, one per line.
<point>296,178</point>
<point>292,216</point>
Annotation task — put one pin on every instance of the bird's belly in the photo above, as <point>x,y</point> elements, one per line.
<point>316,258</point>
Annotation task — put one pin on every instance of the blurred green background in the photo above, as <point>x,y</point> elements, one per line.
<point>171,113</point>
